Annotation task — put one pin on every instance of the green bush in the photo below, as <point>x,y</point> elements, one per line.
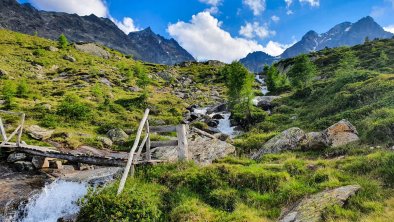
<point>73,109</point>
<point>139,201</point>
<point>224,199</point>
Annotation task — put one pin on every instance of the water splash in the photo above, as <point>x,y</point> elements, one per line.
<point>224,125</point>
<point>56,200</point>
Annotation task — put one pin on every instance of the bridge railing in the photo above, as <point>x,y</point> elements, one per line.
<point>135,155</point>
<point>5,139</point>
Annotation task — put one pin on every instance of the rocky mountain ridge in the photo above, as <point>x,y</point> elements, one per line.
<point>343,34</point>
<point>143,45</point>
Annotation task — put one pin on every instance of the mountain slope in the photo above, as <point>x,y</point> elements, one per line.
<point>344,34</point>
<point>255,61</point>
<point>143,45</point>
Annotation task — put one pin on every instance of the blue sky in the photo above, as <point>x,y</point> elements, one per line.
<point>229,29</point>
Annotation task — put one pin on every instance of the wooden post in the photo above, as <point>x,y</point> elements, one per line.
<point>183,151</point>
<point>2,131</point>
<point>148,153</point>
<point>18,141</point>
<point>131,154</point>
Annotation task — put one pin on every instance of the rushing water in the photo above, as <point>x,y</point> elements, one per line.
<point>56,200</point>
<point>264,89</point>
<point>225,125</point>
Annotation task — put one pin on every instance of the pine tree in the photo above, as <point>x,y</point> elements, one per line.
<point>302,72</point>
<point>62,41</point>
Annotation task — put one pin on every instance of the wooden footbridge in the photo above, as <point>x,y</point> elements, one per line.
<point>135,155</point>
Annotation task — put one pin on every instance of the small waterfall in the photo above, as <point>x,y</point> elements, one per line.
<point>225,125</point>
<point>264,89</point>
<point>56,200</point>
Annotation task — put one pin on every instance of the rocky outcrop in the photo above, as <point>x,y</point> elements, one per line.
<point>69,58</point>
<point>341,133</point>
<point>39,133</point>
<point>13,157</point>
<point>93,49</point>
<point>265,102</point>
<point>117,135</point>
<point>286,140</point>
<point>311,208</point>
<point>203,148</point>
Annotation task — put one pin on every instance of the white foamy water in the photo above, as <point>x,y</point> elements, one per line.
<point>202,111</point>
<point>56,200</point>
<point>225,125</point>
<point>264,89</point>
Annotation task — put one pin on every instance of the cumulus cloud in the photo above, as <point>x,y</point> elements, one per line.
<point>211,2</point>
<point>276,48</point>
<point>257,6</point>
<point>127,25</point>
<point>313,3</point>
<point>389,28</point>
<point>86,7</point>
<point>204,38</point>
<point>251,30</point>
<point>275,18</point>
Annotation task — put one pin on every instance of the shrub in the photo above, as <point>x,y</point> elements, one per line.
<point>139,201</point>
<point>22,90</point>
<point>224,199</point>
<point>302,72</point>
<point>62,41</point>
<point>73,109</point>
<point>9,92</point>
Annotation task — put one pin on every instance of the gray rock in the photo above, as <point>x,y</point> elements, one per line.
<point>93,49</point>
<point>106,141</point>
<point>133,89</point>
<point>23,166</point>
<point>315,141</point>
<point>165,76</point>
<point>39,133</point>
<point>3,73</point>
<point>213,123</point>
<point>218,116</point>
<point>13,157</point>
<point>264,102</point>
<point>341,133</point>
<point>203,148</point>
<point>216,109</point>
<point>38,162</point>
<point>117,135</point>
<point>106,81</point>
<point>286,140</point>
<point>51,48</point>
<point>69,58</point>
<point>310,209</point>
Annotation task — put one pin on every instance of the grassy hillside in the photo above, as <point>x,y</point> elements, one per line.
<point>92,95</point>
<point>88,97</point>
<point>362,93</point>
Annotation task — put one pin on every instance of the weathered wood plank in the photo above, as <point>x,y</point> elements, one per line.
<point>2,131</point>
<point>183,149</point>
<point>10,137</point>
<point>162,129</point>
<point>148,155</point>
<point>18,140</point>
<point>155,144</point>
<point>131,154</point>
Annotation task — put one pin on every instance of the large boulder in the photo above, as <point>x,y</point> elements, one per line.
<point>311,208</point>
<point>341,133</point>
<point>264,102</point>
<point>14,157</point>
<point>23,166</point>
<point>93,49</point>
<point>203,148</point>
<point>117,135</point>
<point>286,140</point>
<point>315,141</point>
<point>39,133</point>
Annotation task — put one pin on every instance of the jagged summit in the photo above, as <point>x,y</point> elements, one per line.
<point>144,45</point>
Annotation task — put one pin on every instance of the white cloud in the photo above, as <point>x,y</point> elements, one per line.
<point>86,7</point>
<point>251,30</point>
<point>275,18</point>
<point>257,6</point>
<point>204,38</point>
<point>211,2</point>
<point>389,28</point>
<point>127,25</point>
<point>313,3</point>
<point>288,3</point>
<point>276,48</point>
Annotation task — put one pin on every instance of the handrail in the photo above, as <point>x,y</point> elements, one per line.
<point>131,154</point>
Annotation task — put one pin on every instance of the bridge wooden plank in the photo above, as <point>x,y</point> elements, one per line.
<point>155,144</point>
<point>162,129</point>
